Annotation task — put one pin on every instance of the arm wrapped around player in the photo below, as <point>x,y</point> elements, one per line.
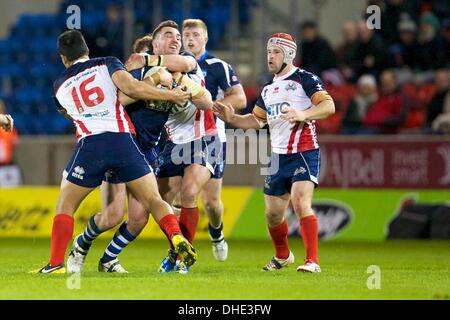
<point>201,97</point>
<point>153,60</point>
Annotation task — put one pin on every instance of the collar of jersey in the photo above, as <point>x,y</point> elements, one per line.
<point>203,57</point>
<point>286,75</point>
<point>80,60</point>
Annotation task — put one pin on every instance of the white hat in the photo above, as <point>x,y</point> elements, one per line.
<point>286,42</point>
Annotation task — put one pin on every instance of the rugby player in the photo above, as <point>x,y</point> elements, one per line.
<point>223,84</point>
<point>290,104</point>
<point>87,93</point>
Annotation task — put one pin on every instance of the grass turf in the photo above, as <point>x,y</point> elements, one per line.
<point>409,270</point>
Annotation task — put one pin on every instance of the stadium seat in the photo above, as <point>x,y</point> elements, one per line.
<point>30,63</point>
<point>5,52</point>
<point>9,69</point>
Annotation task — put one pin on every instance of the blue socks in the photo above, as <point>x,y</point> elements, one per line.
<point>89,235</point>
<point>216,235</point>
<point>120,240</point>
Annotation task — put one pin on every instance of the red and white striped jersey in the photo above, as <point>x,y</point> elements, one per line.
<point>189,123</point>
<point>297,89</point>
<point>87,93</point>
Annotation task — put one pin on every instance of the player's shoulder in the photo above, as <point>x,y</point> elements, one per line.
<point>215,61</point>
<point>305,76</point>
<point>216,66</point>
<point>186,53</point>
<point>110,60</point>
<point>74,70</point>
<point>267,82</point>
<point>265,89</point>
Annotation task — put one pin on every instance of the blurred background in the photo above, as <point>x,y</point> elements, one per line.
<point>387,147</point>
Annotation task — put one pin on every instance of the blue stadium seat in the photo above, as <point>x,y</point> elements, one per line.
<point>9,69</point>
<point>13,45</point>
<point>18,33</point>
<point>44,70</point>
<point>29,95</point>
<point>6,55</point>
<point>92,20</point>
<point>20,122</point>
<point>57,124</point>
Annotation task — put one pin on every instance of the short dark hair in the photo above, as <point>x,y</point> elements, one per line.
<point>72,45</point>
<point>308,24</point>
<point>166,23</point>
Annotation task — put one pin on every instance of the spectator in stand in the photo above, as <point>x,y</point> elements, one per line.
<point>439,104</point>
<point>358,107</point>
<point>316,53</point>
<point>371,56</point>
<point>405,51</point>
<point>431,51</point>
<point>392,13</point>
<point>346,51</point>
<point>390,111</point>
<point>108,40</point>
<point>446,41</point>
<point>8,141</point>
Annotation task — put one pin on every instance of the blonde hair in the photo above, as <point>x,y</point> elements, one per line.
<point>193,23</point>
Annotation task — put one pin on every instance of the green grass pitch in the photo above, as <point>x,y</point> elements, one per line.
<point>408,270</point>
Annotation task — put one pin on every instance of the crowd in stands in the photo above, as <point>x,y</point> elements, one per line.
<point>394,79</point>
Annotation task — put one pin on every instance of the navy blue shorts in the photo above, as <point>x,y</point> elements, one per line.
<point>301,166</point>
<point>176,157</point>
<point>217,154</point>
<point>152,156</point>
<point>107,152</point>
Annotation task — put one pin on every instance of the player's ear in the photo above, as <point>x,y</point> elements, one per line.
<point>64,60</point>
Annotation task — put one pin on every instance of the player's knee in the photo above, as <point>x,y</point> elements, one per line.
<point>188,195</point>
<point>136,224</point>
<point>274,218</point>
<point>112,220</point>
<point>212,203</point>
<point>112,216</point>
<point>302,208</point>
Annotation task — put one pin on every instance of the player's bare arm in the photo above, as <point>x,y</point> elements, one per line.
<point>235,96</point>
<point>173,62</point>
<point>143,91</point>
<point>162,76</point>
<point>201,97</point>
<point>203,100</point>
<point>226,113</point>
<point>6,122</point>
<point>323,106</point>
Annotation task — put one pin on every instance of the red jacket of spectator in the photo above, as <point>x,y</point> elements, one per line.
<point>7,142</point>
<point>387,114</point>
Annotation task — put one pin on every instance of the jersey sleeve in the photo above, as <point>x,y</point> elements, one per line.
<point>137,74</point>
<point>260,102</point>
<point>58,105</point>
<point>259,110</point>
<point>259,113</point>
<point>226,76</point>
<point>186,53</point>
<point>113,64</point>
<point>314,88</point>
